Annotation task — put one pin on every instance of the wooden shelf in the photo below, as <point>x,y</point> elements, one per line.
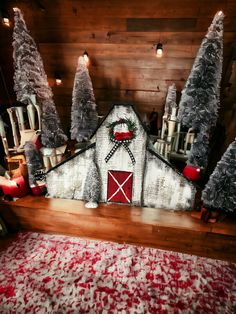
<point>164,229</point>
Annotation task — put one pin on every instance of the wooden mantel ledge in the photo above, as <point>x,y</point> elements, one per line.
<point>172,230</point>
<point>134,214</point>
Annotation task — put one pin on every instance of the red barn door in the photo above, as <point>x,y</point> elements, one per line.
<point>119,188</point>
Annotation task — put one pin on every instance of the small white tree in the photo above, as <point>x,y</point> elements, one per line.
<point>92,186</point>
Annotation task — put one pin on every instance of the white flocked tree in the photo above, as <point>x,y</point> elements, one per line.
<point>30,78</point>
<point>84,117</point>
<point>198,108</point>
<point>220,191</point>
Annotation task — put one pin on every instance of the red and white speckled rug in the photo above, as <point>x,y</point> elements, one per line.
<point>42,273</point>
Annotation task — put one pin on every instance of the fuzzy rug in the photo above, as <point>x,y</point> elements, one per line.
<point>42,273</point>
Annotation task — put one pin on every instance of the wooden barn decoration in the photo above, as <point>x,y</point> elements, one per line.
<point>130,169</point>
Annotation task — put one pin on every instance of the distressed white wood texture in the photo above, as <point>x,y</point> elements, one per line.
<point>165,188</point>
<point>67,180</point>
<point>155,183</point>
<point>120,160</point>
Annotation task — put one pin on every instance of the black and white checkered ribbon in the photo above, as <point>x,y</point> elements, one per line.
<point>129,152</point>
<point>115,147</point>
<point>40,175</point>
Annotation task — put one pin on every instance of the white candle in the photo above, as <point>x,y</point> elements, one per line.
<point>173,114</point>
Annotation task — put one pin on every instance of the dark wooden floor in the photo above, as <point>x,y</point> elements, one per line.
<point>176,231</point>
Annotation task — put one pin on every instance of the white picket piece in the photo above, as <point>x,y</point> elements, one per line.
<point>3,136</point>
<point>171,129</point>
<point>31,116</point>
<point>20,117</point>
<point>32,106</point>
<point>13,126</point>
<point>176,147</point>
<point>164,126</point>
<point>52,156</point>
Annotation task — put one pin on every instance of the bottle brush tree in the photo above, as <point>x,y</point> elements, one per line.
<point>92,186</point>
<point>220,191</point>
<point>198,108</point>
<point>34,162</point>
<point>30,78</point>
<point>84,117</point>
<point>170,100</point>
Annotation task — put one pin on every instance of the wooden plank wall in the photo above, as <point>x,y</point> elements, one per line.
<point>120,38</point>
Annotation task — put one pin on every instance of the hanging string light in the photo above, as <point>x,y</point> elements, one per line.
<point>159,50</point>
<point>58,79</point>
<point>5,18</point>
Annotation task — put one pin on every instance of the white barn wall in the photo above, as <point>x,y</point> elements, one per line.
<point>121,160</point>
<point>155,183</point>
<point>67,180</point>
<point>165,188</point>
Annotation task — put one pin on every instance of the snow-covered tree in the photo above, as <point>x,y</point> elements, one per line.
<point>34,162</point>
<point>84,117</point>
<point>92,186</point>
<point>170,100</point>
<point>220,191</point>
<point>30,78</point>
<point>200,97</point>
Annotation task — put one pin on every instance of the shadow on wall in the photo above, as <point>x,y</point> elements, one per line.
<point>228,108</point>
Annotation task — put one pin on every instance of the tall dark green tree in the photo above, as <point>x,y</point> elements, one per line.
<point>30,78</point>
<point>220,191</point>
<point>198,108</point>
<point>84,117</point>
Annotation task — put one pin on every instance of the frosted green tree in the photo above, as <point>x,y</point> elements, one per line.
<point>170,100</point>
<point>200,97</point>
<point>92,186</point>
<point>84,117</point>
<point>220,191</point>
<point>30,78</point>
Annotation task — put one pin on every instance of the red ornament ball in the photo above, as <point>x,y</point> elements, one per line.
<point>192,173</point>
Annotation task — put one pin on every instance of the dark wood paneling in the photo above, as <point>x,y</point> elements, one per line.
<point>113,37</point>
<point>108,50</point>
<point>120,38</point>
<point>160,24</point>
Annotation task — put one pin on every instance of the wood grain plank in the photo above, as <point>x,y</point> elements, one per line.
<point>160,217</point>
<point>160,24</point>
<point>73,35</point>
<point>158,8</point>
<point>145,62</point>
<point>164,229</point>
<point>119,50</point>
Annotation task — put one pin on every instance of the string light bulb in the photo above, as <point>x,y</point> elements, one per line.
<point>220,13</point>
<point>5,18</point>
<point>6,21</point>
<point>86,57</point>
<point>159,50</point>
<point>58,79</point>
